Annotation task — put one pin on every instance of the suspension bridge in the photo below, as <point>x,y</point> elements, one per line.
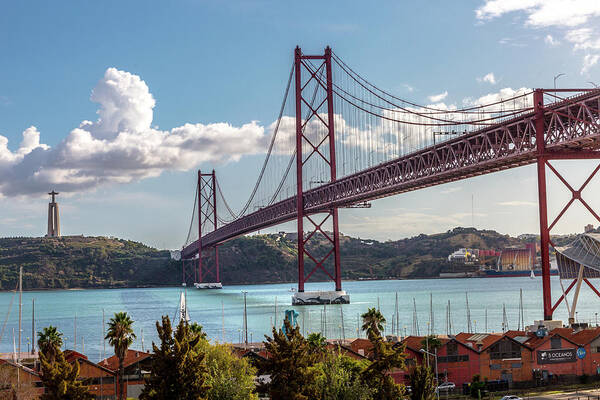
<point>340,141</point>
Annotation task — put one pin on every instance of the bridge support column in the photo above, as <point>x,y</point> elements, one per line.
<point>544,156</point>
<point>319,143</point>
<point>208,278</point>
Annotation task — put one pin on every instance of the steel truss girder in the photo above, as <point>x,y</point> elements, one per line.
<point>572,131</point>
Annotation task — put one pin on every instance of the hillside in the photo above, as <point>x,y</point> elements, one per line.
<point>272,257</point>
<point>84,262</point>
<point>94,262</point>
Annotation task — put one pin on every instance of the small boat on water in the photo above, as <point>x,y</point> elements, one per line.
<point>183,310</point>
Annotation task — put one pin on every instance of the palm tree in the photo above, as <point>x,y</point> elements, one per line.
<point>197,329</point>
<point>373,322</point>
<point>120,336</point>
<point>431,342</point>
<point>50,340</point>
<point>317,342</point>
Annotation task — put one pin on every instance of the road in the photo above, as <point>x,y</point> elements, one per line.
<point>591,394</point>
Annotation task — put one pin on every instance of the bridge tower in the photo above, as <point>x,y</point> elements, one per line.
<point>207,276</point>
<point>315,143</point>
<point>548,128</point>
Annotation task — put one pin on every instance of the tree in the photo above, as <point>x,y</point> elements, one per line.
<point>60,378</point>
<point>50,340</point>
<point>338,378</point>
<point>229,377</point>
<point>373,322</point>
<point>477,387</point>
<point>317,342</point>
<point>422,383</point>
<point>430,343</point>
<point>178,367</point>
<point>289,364</point>
<point>197,329</point>
<point>385,359</point>
<point>120,336</point>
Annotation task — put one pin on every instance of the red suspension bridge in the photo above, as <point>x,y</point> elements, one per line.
<point>340,140</point>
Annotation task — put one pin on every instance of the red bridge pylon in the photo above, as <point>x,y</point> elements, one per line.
<point>207,217</point>
<point>554,126</point>
<point>315,143</point>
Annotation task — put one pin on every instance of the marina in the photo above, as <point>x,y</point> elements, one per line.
<point>492,305</point>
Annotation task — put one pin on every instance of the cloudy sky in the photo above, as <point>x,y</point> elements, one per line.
<point>116,105</point>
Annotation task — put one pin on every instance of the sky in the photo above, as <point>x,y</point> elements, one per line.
<point>117,104</point>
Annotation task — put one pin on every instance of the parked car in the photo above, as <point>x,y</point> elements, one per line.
<point>446,386</point>
<point>511,398</point>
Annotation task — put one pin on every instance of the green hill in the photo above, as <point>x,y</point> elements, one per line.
<point>95,262</point>
<point>83,262</point>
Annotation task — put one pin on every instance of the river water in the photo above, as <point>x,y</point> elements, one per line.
<point>221,311</point>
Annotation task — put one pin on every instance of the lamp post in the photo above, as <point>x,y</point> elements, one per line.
<point>437,383</point>
<point>556,77</point>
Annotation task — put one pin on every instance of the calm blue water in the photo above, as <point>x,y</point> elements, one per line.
<point>147,305</point>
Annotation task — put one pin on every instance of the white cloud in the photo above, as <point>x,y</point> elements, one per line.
<point>588,62</point>
<point>489,78</point>
<point>578,17</point>
<point>451,190</point>
<point>550,40</point>
<point>523,99</point>
<point>518,203</point>
<point>408,87</point>
<point>584,39</point>
<point>543,13</point>
<point>436,98</point>
<point>120,146</point>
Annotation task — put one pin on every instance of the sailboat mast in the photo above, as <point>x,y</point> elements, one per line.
<point>32,326</point>
<point>245,321</point>
<point>343,328</point>
<point>486,325</point>
<point>103,338</point>
<point>431,318</point>
<point>469,326</point>
<point>20,307</point>
<point>397,317</point>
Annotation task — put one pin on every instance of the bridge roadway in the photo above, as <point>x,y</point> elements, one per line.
<point>571,130</point>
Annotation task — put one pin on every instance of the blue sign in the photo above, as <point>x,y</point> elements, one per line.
<point>581,352</point>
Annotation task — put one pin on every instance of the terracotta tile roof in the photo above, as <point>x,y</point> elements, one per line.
<point>72,355</point>
<point>23,368</point>
<point>131,357</point>
<point>345,350</point>
<point>585,336</point>
<point>536,342</point>
<point>473,340</point>
<point>413,342</point>
<point>362,343</point>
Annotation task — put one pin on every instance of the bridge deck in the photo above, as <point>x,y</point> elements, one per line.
<point>571,127</point>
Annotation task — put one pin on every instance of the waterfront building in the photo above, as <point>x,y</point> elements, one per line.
<point>515,357</point>
<point>137,366</point>
<point>456,361</point>
<point>506,357</point>
<point>15,374</point>
<point>100,381</point>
